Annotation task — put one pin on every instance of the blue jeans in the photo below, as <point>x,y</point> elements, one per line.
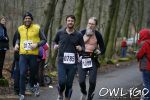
<point>92,78</point>
<point>16,72</point>
<point>26,61</point>
<point>66,73</point>
<point>123,51</point>
<point>16,76</point>
<point>146,81</point>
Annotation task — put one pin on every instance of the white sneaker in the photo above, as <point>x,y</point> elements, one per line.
<point>83,97</point>
<point>36,91</point>
<point>21,97</point>
<point>60,97</point>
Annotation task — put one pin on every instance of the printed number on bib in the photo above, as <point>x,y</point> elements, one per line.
<point>27,44</point>
<point>69,58</point>
<point>86,63</point>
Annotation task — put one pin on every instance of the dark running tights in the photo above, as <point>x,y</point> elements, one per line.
<point>2,57</point>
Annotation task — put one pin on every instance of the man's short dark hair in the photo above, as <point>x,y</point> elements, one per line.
<point>71,16</point>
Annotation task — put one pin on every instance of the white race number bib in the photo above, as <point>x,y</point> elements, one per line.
<point>27,44</point>
<point>69,58</point>
<point>86,62</point>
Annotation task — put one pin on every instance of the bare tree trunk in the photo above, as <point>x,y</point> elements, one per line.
<point>59,15</point>
<point>137,15</point>
<point>48,22</point>
<point>78,12</point>
<point>84,18</point>
<point>124,31</point>
<point>140,14</point>
<point>50,55</point>
<point>110,46</point>
<point>100,7</point>
<point>122,21</point>
<point>49,14</point>
<point>108,24</point>
<point>91,6</point>
<point>22,6</point>
<point>57,26</point>
<point>4,7</point>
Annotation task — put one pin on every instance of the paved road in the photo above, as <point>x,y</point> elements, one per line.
<point>122,79</point>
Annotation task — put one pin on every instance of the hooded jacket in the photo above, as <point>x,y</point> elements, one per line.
<point>143,55</point>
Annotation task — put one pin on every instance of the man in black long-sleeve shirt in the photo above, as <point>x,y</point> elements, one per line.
<point>69,43</point>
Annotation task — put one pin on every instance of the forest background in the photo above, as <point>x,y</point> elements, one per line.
<point>116,18</point>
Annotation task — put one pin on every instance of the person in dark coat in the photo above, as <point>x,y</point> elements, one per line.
<point>4,43</point>
<point>15,67</point>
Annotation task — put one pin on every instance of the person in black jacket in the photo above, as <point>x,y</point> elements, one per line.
<point>16,54</point>
<point>4,46</point>
<point>15,66</point>
<point>69,43</point>
<point>88,62</point>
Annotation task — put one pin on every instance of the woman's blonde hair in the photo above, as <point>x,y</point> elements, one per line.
<point>1,17</point>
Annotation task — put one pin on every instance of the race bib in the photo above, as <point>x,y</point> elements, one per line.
<point>27,44</point>
<point>86,62</point>
<point>69,58</point>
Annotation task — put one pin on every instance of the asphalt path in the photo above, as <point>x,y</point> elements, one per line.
<point>123,81</point>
